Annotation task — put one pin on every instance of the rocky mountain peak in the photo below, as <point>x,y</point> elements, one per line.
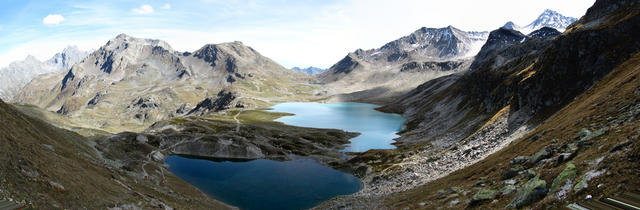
<point>502,37</point>
<point>498,39</point>
<point>31,58</point>
<point>553,19</point>
<point>548,18</point>
<point>511,25</point>
<point>64,60</point>
<point>70,49</point>
<point>429,43</point>
<point>15,76</point>
<point>228,54</point>
<point>309,70</point>
<point>124,41</point>
<point>544,32</point>
<point>237,48</point>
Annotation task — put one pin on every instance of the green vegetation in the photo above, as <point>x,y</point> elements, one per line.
<point>569,173</point>
<point>254,116</point>
<point>532,191</point>
<point>484,194</point>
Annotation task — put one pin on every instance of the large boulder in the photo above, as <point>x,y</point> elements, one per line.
<point>568,174</point>
<point>532,191</point>
<point>544,153</point>
<point>508,189</point>
<point>513,172</point>
<point>519,160</point>
<point>484,194</point>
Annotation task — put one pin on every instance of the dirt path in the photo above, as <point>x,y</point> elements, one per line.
<point>237,121</point>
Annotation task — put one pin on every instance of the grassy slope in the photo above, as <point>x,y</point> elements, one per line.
<point>32,172</point>
<point>591,110</point>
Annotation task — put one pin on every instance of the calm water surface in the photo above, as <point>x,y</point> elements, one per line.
<point>265,184</point>
<point>377,130</point>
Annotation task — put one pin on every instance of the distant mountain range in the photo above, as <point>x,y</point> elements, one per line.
<point>403,64</point>
<point>309,70</point>
<point>548,18</point>
<point>130,82</point>
<point>19,73</point>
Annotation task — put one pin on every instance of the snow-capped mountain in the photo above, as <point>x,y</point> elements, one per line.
<point>15,76</point>
<point>402,64</point>
<point>309,70</point>
<point>548,18</point>
<point>428,44</point>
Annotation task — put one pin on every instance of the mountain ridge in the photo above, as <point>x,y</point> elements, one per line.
<point>18,73</point>
<point>375,75</point>
<point>548,18</point>
<point>311,70</point>
<point>146,80</point>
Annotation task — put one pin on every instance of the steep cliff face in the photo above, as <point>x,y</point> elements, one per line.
<point>381,74</point>
<point>130,83</point>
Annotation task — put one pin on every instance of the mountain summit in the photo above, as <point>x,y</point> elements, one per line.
<point>131,82</point>
<point>19,73</point>
<point>309,70</point>
<point>548,18</point>
<point>402,64</point>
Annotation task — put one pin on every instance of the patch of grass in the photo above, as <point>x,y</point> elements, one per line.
<point>252,116</point>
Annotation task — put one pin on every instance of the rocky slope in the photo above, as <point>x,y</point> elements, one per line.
<point>548,18</point>
<point>44,167</point>
<point>585,152</point>
<point>512,97</point>
<point>309,70</point>
<point>15,76</point>
<point>383,73</point>
<point>129,83</point>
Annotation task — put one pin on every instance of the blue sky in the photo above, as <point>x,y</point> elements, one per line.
<point>291,32</point>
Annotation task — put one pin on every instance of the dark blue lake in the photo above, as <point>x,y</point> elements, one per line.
<point>265,184</point>
<point>377,130</point>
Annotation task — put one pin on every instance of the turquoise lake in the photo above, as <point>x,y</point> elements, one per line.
<point>298,184</point>
<point>377,130</point>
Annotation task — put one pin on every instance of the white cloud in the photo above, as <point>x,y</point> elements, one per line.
<point>144,9</point>
<point>166,6</point>
<point>52,19</point>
